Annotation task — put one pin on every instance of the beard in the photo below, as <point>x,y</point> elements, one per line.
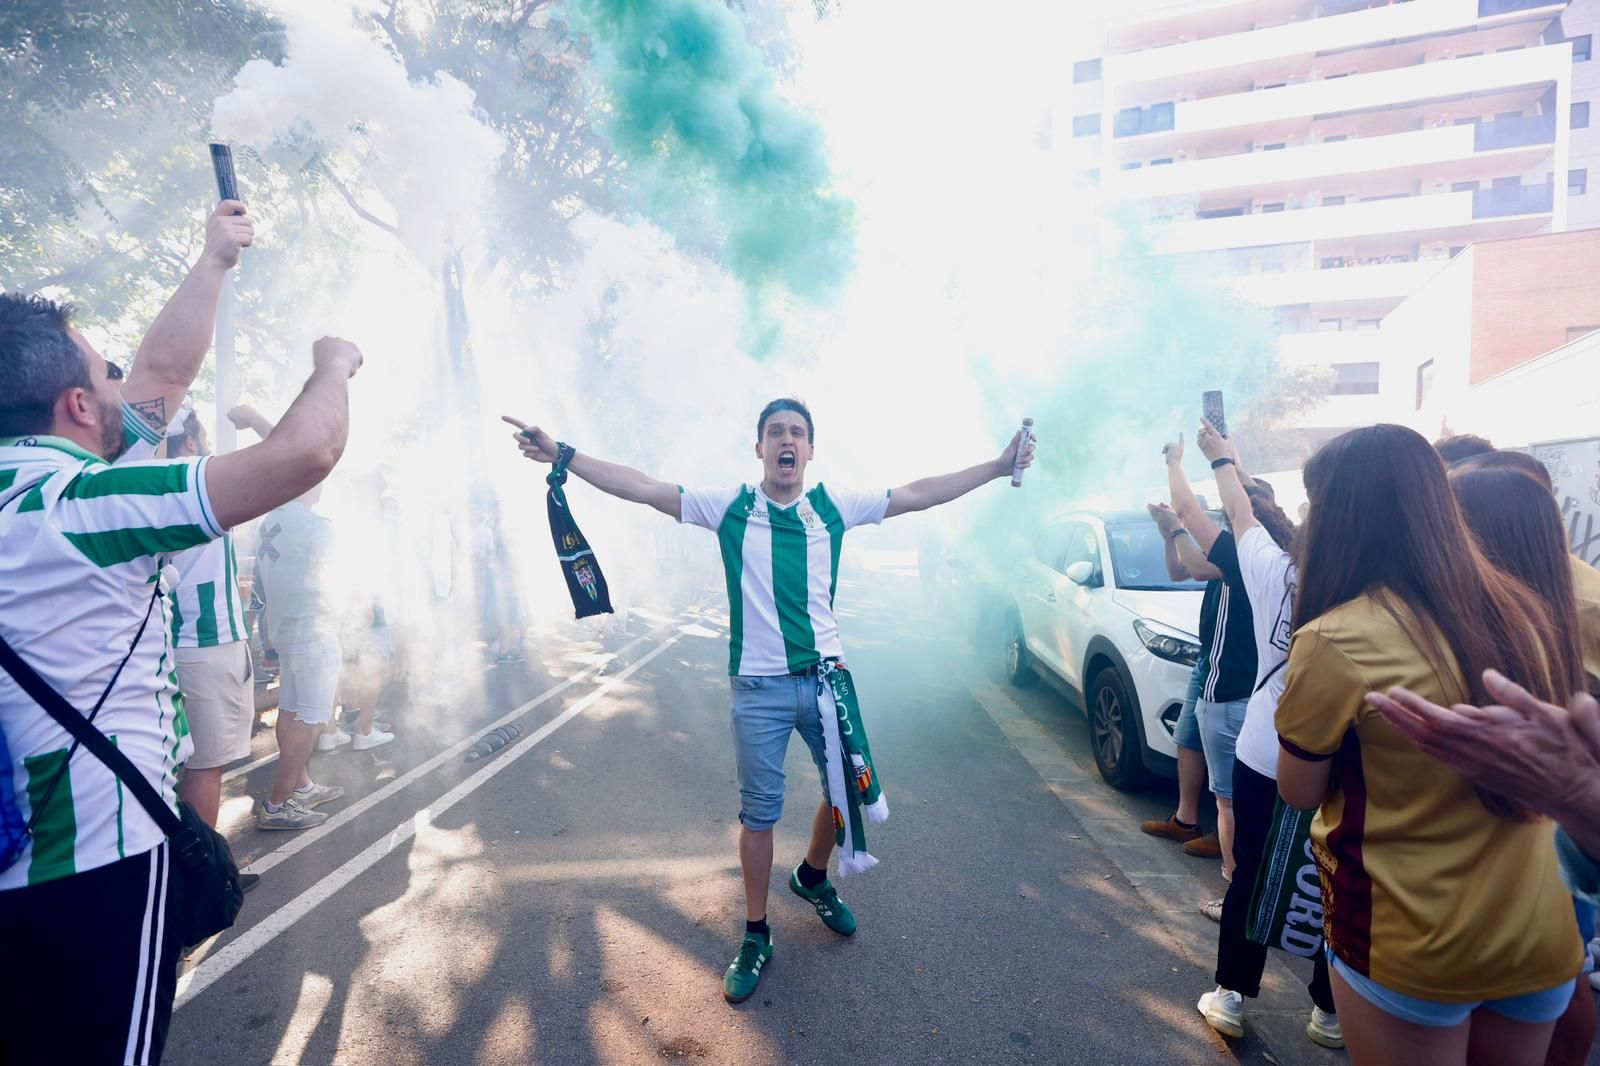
<point>113,442</point>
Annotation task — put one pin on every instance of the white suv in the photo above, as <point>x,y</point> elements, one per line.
<point>1094,610</point>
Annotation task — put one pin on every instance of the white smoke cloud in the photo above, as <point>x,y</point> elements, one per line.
<point>418,143</point>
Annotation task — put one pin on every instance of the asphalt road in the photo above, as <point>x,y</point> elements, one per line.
<point>575,897</point>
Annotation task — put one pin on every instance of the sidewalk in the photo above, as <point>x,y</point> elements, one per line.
<point>1169,884</point>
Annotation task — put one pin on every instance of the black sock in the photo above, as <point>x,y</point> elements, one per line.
<point>810,876</point>
<point>1181,824</point>
<point>761,929</point>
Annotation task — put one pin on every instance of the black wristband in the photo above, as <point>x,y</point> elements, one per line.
<point>1176,533</point>
<point>564,454</point>
<point>1218,464</point>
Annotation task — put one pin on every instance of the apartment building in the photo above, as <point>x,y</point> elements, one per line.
<point>1331,156</point>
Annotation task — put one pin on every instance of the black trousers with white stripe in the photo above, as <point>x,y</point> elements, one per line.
<point>90,965</point>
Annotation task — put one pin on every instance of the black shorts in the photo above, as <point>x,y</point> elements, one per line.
<point>91,965</point>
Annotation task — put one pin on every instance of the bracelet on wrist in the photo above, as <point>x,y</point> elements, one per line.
<point>1176,533</point>
<point>1218,464</point>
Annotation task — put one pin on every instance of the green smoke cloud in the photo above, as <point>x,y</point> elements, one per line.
<point>719,160</point>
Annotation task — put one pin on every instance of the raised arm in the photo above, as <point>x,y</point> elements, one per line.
<point>300,451</point>
<point>623,482</point>
<point>246,417</point>
<point>170,355</point>
<point>942,488</point>
<point>1230,478</point>
<point>1202,529</point>
<point>1166,520</point>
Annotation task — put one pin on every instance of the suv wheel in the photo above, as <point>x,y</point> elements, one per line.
<point>1019,671</point>
<point>1114,731</point>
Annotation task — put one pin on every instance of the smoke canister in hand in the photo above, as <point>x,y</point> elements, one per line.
<point>1022,442</point>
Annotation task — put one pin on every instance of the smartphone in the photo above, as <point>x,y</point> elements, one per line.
<point>222,165</point>
<point>1211,408</point>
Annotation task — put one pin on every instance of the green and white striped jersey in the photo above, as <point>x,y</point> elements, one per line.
<point>782,567</point>
<point>205,606</point>
<point>82,545</point>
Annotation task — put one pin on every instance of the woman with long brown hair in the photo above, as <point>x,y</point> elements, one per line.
<point>1451,938</point>
<point>1518,526</point>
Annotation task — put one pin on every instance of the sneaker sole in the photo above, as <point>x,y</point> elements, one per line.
<point>1327,1040</point>
<point>308,825</point>
<point>368,747</point>
<point>312,805</point>
<point>1225,1025</point>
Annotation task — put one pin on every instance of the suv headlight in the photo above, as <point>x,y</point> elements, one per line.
<point>1165,645</point>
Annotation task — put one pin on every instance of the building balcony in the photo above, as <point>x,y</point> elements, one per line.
<point>1487,150</point>
<point>1293,44</point>
<point>1338,285</point>
<point>1325,349</point>
<point>1514,200</point>
<point>1292,109</point>
<point>1458,216</point>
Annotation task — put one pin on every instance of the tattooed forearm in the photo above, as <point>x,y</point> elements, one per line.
<point>152,411</point>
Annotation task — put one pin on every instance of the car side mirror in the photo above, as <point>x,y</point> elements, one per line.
<point>1081,573</point>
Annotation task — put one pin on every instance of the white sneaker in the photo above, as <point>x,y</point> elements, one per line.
<point>1324,1029</point>
<point>1223,1011</point>
<point>374,739</point>
<point>290,816</point>
<point>329,741</point>
<point>1212,909</point>
<point>317,795</point>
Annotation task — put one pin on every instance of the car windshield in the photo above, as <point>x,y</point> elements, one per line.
<point>1139,560</point>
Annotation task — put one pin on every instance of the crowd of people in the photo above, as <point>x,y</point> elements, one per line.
<point>1456,922</point>
<point>1412,662</point>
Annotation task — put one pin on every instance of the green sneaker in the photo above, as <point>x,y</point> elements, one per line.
<point>825,898</point>
<point>739,983</point>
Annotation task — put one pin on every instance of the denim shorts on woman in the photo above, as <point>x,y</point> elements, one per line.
<point>1536,1008</point>
<point>1219,734</point>
<point>765,711</point>
<point>1186,733</point>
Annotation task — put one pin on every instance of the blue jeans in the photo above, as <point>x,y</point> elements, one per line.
<point>1535,1008</point>
<point>1219,729</point>
<point>1186,734</point>
<point>765,711</point>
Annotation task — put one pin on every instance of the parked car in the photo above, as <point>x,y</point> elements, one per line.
<point>1093,610</point>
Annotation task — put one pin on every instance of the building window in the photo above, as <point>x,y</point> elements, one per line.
<point>1272,268</point>
<point>1500,116</point>
<point>1355,379</point>
<point>1578,181</point>
<point>1368,323</point>
<point>1274,85</point>
<point>1464,186</point>
<point>1332,201</point>
<point>1580,48</point>
<point>1457,249</point>
<point>1278,147</point>
<point>1086,70</point>
<point>1336,138</point>
<point>1161,162</point>
<point>1424,384</point>
<point>1085,125</point>
<point>1162,116</point>
<point>1513,182</point>
<point>1220,212</point>
<point>1329,325</point>
<point>1512,48</point>
<point>1331,262</point>
<point>1271,209</point>
<point>1580,115</point>
<point>1471,120</point>
<point>1132,166</point>
<point>1575,332</point>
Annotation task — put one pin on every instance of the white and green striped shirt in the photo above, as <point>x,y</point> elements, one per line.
<point>782,567</point>
<point>81,547</point>
<point>205,606</point>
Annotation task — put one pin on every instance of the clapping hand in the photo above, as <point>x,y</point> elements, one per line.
<point>1165,517</point>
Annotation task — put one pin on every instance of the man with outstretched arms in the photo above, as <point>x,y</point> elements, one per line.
<point>88,907</point>
<point>780,551</point>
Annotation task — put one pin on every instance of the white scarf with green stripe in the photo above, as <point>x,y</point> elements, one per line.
<point>852,779</point>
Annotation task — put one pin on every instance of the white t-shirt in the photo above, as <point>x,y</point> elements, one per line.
<point>1269,579</point>
<point>782,564</point>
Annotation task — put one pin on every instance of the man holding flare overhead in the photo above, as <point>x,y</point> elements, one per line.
<point>780,549</point>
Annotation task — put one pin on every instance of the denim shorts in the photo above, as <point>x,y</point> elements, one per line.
<point>765,711</point>
<point>1219,731</point>
<point>1186,734</point>
<point>1535,1008</point>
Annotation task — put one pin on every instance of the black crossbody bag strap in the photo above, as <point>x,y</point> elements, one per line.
<point>86,734</point>
<point>1274,670</point>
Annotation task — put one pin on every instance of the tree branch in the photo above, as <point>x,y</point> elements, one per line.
<point>349,198</point>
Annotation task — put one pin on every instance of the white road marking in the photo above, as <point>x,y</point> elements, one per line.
<point>304,840</point>
<point>268,929</point>
<point>247,767</point>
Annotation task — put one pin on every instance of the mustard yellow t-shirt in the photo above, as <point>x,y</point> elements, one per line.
<point>1586,582</point>
<point>1424,891</point>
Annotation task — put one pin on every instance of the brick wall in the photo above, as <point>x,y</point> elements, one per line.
<point>1526,292</point>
